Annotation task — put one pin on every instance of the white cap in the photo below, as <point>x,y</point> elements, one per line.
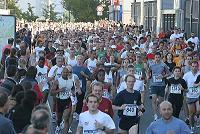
<point>113,46</point>
<point>135,47</point>
<point>94,48</point>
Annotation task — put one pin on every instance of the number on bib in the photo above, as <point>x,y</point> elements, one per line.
<point>156,79</point>
<point>90,131</point>
<point>175,89</point>
<point>130,110</point>
<point>106,94</point>
<point>193,92</point>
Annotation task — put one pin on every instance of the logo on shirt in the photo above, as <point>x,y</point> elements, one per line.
<point>86,123</point>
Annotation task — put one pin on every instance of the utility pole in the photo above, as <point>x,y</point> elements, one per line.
<point>199,21</point>
<point>191,7</point>
<point>158,27</point>
<point>142,12</point>
<point>148,18</point>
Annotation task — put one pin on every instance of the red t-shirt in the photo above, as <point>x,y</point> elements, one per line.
<point>150,56</point>
<point>105,106</point>
<point>39,94</point>
<point>120,47</point>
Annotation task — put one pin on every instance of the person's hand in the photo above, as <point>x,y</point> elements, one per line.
<point>82,73</point>
<point>98,125</point>
<point>160,76</point>
<point>79,91</point>
<point>123,107</point>
<point>140,113</point>
<point>181,87</point>
<point>62,89</point>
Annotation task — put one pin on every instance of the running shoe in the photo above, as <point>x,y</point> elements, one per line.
<point>192,130</point>
<point>54,117</point>
<point>57,131</point>
<point>198,122</point>
<point>70,131</point>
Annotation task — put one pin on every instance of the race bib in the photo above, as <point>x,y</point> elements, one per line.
<point>73,99</point>
<point>139,73</point>
<point>193,92</point>
<point>106,94</point>
<point>156,79</point>
<point>43,77</point>
<point>90,132</point>
<point>178,51</point>
<point>65,94</point>
<point>175,89</point>
<point>130,110</point>
<point>91,68</point>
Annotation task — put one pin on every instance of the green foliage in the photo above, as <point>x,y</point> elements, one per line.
<point>14,10</point>
<point>29,15</point>
<point>49,13</point>
<point>84,10</point>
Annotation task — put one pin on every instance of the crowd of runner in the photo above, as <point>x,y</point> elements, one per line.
<point>91,72</point>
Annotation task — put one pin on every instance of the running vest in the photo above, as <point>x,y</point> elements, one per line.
<point>67,86</point>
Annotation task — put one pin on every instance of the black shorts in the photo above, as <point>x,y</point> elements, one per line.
<point>158,90</point>
<point>126,123</point>
<point>62,104</point>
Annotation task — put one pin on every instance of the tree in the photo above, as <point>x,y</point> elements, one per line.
<point>29,15</point>
<point>49,12</point>
<point>14,10</point>
<point>83,10</point>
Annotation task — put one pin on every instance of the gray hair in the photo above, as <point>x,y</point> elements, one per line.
<point>40,119</point>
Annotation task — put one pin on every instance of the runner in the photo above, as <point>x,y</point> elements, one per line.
<point>41,77</point>
<point>157,73</point>
<point>93,120</point>
<point>105,104</point>
<point>63,89</point>
<point>193,94</point>
<point>176,86</point>
<point>167,124</point>
<point>128,104</point>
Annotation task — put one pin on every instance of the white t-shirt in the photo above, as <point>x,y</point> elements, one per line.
<point>87,121</point>
<point>194,40</point>
<point>71,62</point>
<point>41,77</point>
<point>138,85</point>
<point>124,55</point>
<point>108,77</point>
<point>38,49</point>
<point>55,71</point>
<point>193,92</point>
<point>91,64</point>
<point>174,36</point>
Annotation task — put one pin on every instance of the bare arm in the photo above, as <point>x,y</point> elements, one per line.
<point>79,130</point>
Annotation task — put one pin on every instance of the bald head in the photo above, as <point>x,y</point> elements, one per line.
<point>165,104</point>
<point>166,110</point>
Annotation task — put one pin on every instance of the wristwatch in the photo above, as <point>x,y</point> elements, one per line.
<point>104,128</point>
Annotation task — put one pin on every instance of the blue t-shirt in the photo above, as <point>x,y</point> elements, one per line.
<point>156,70</point>
<point>76,70</point>
<point>175,126</point>
<point>6,126</point>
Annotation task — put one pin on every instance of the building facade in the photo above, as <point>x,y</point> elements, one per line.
<point>164,15</point>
